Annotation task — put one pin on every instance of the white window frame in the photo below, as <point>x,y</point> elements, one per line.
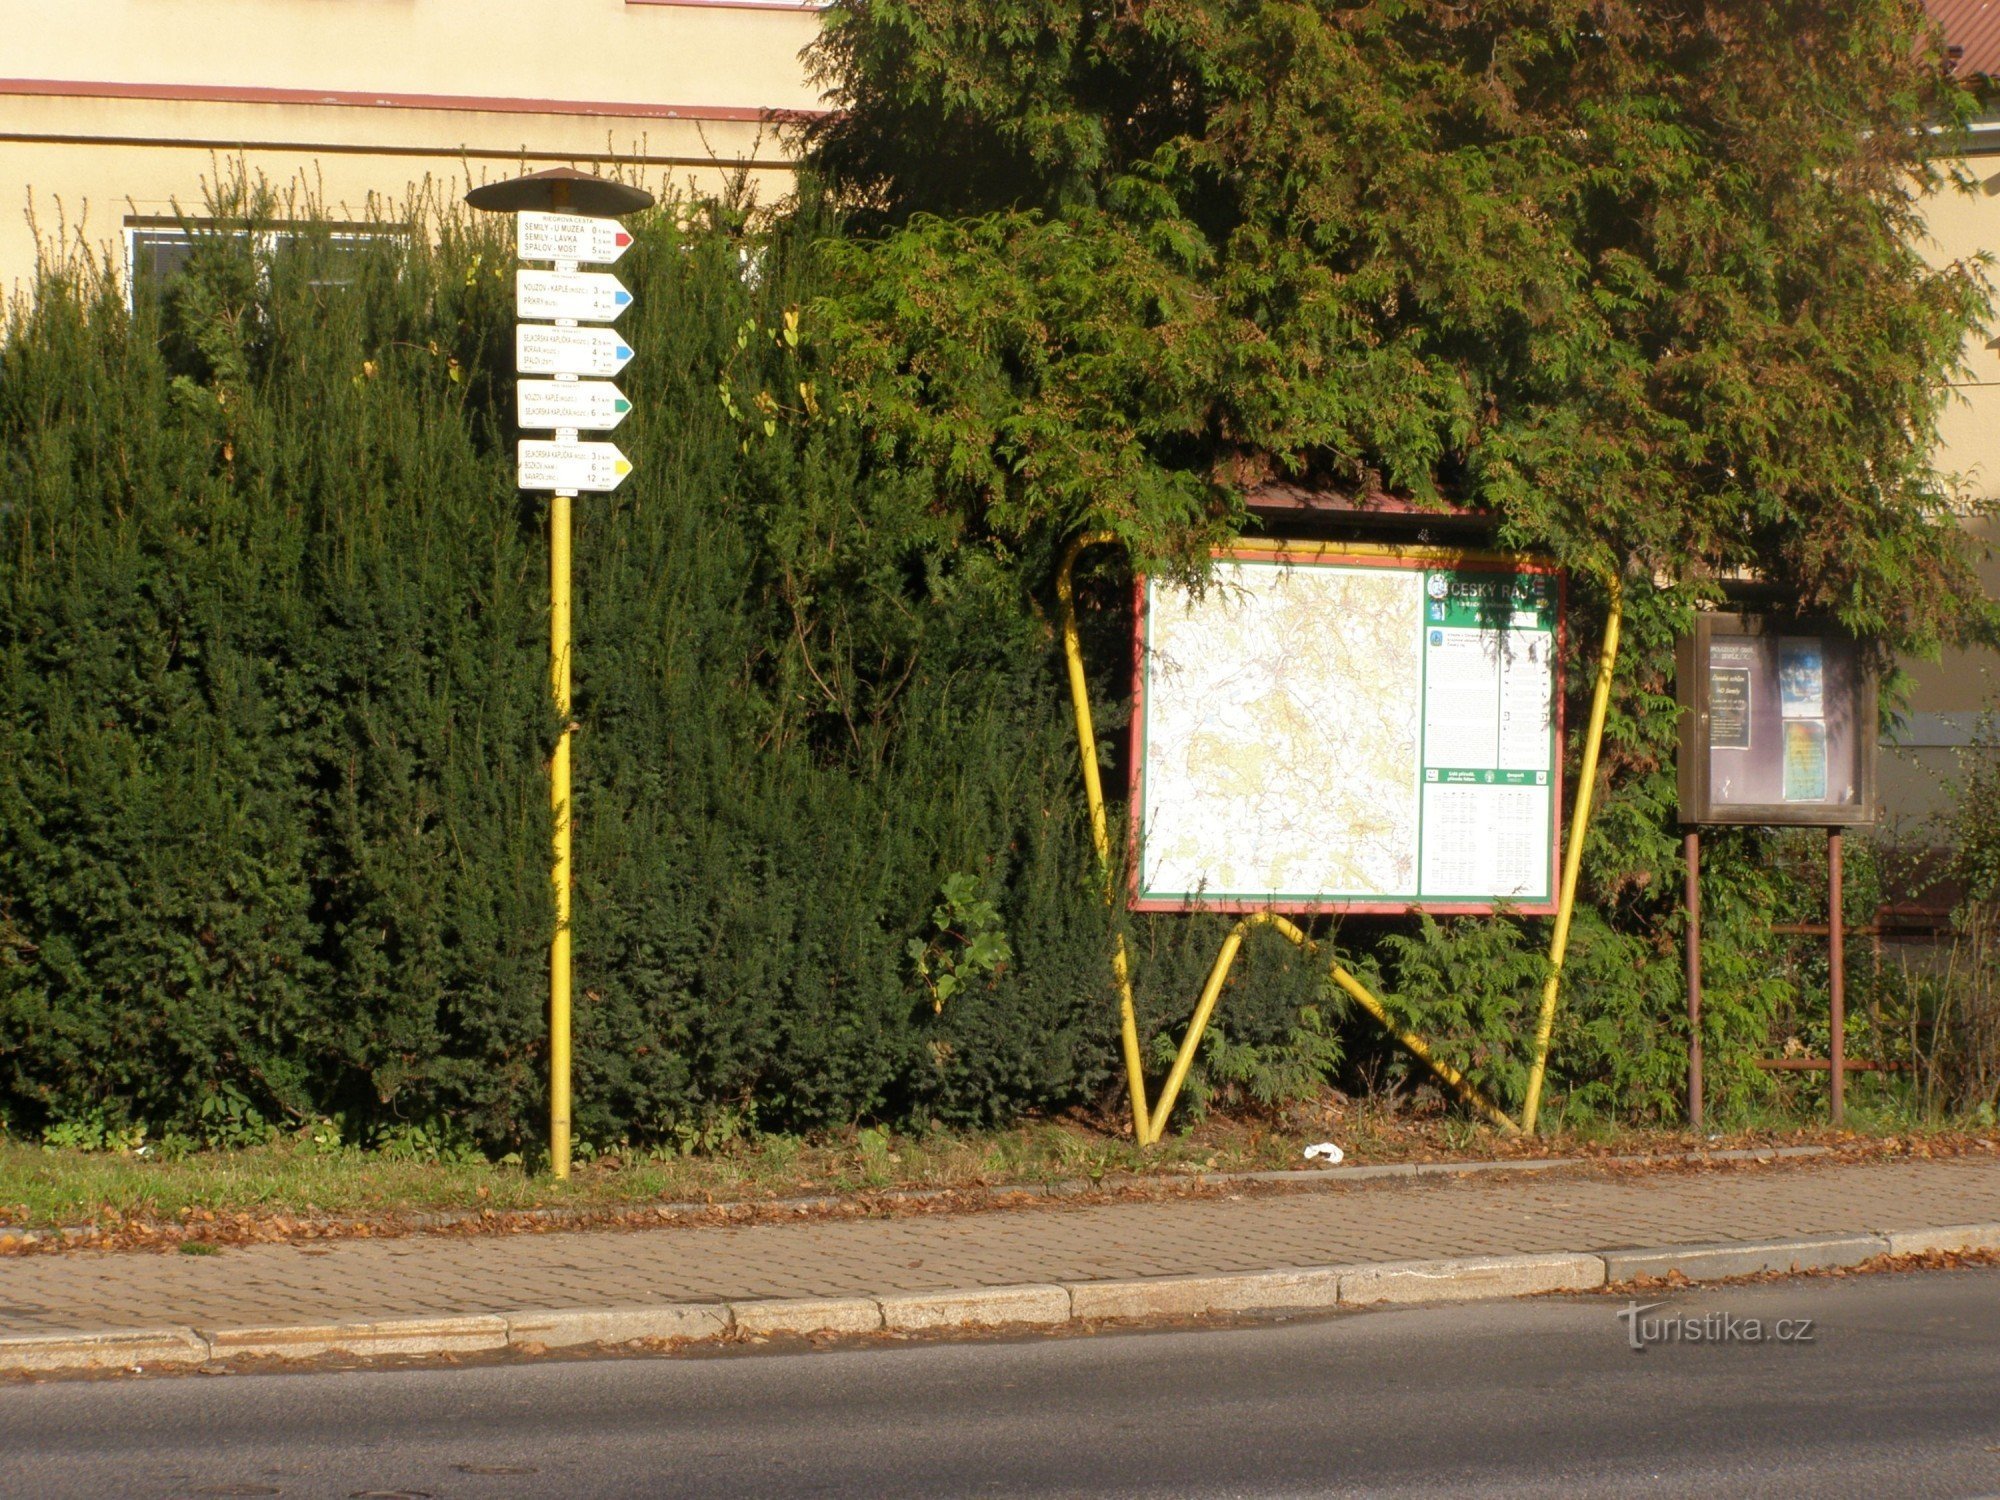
<point>268,238</point>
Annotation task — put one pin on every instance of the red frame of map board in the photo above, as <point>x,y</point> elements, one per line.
<point>1418,559</point>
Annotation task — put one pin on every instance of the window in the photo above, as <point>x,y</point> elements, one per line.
<point>338,253</point>
<point>152,256</point>
<point>156,250</point>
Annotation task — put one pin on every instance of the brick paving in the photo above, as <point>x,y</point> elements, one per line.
<point>1405,1219</point>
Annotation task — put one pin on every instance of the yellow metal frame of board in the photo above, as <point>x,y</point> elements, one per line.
<point>1149,1122</point>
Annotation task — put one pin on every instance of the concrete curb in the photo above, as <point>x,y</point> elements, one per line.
<point>119,1349</point>
<point>1952,1237</point>
<point>1192,1296</point>
<point>808,1315</point>
<point>1745,1257</point>
<point>1467,1277</point>
<point>457,1335</point>
<point>565,1328</point>
<point>1034,1305</point>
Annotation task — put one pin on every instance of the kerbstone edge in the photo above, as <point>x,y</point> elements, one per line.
<point>1044,1305</point>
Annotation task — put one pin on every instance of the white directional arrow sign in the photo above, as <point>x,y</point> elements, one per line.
<point>570,466</point>
<point>594,404</point>
<point>587,296</point>
<point>541,350</point>
<point>540,236</point>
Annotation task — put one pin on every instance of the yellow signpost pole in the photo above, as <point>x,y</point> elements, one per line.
<point>560,967</point>
<point>563,467</point>
<point>561,962</point>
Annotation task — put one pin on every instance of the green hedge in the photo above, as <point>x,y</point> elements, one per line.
<point>273,809</point>
<point>273,664</point>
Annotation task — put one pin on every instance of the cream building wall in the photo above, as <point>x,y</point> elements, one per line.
<point>112,110</point>
<point>1964,225</point>
<point>1949,695</point>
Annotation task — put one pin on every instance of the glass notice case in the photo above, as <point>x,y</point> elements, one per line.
<point>1777,725</point>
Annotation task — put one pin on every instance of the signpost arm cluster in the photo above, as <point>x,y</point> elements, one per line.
<point>566,405</point>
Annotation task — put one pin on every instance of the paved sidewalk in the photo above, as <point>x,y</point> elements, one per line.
<point>1357,1225</point>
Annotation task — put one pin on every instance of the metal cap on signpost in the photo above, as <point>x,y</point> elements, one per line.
<point>567,218</point>
<point>562,190</point>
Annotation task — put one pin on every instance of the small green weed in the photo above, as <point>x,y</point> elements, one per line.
<point>968,942</point>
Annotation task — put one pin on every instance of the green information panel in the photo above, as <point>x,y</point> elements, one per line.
<point>1319,731</point>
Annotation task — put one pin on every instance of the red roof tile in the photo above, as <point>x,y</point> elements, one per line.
<point>1972,30</point>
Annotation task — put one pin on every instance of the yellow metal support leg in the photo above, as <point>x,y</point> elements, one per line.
<point>1462,1088</point>
<point>559,805</point>
<point>1100,837</point>
<point>1586,784</point>
<point>1211,994</point>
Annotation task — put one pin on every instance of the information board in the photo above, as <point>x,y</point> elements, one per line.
<point>1777,724</point>
<point>1318,731</point>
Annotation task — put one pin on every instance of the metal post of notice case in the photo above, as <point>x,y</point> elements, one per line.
<point>1693,844</point>
<point>1836,981</point>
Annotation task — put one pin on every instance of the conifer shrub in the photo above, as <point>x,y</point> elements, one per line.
<point>273,659</point>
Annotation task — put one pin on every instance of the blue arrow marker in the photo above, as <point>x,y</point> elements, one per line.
<point>623,352</point>
<point>622,297</point>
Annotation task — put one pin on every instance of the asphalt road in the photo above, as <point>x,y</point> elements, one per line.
<point>1897,1393</point>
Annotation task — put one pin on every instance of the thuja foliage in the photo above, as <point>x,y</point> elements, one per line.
<point>268,829</point>
<point>1640,282</point>
<point>274,722</point>
<point>1642,279</point>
